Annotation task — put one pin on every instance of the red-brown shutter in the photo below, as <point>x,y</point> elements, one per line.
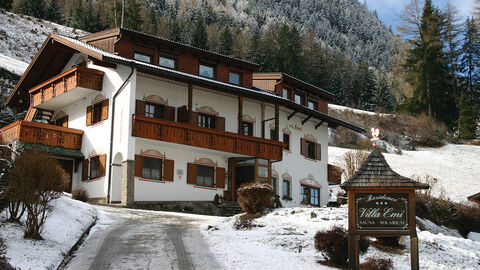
<point>191,173</point>
<point>168,170</point>
<point>89,115</point>
<point>303,147</point>
<point>220,177</point>
<point>104,109</point>
<point>138,165</point>
<point>170,113</point>
<point>182,114</point>
<point>194,120</point>
<point>220,123</point>
<point>85,170</point>
<point>140,107</point>
<point>318,154</point>
<point>102,162</point>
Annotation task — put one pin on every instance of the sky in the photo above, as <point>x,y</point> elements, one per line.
<point>388,10</point>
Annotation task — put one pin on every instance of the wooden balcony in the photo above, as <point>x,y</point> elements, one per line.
<point>66,88</point>
<point>31,132</point>
<point>181,133</point>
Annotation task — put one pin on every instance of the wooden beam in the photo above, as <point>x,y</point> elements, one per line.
<point>306,119</point>
<point>190,102</point>
<point>240,115</point>
<point>319,124</point>
<point>269,119</point>
<point>277,122</point>
<point>291,115</point>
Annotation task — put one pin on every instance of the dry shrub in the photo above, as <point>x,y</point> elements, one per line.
<point>426,131</point>
<point>374,263</point>
<point>390,241</point>
<point>4,261</point>
<point>254,197</point>
<point>36,179</point>
<point>468,219</point>
<point>334,245</point>
<point>352,161</point>
<point>421,208</point>
<point>427,179</point>
<point>80,195</point>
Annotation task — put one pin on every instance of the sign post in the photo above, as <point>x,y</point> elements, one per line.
<point>380,203</point>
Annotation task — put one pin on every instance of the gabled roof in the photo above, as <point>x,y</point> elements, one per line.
<point>292,80</point>
<point>117,31</point>
<point>375,172</point>
<point>79,46</point>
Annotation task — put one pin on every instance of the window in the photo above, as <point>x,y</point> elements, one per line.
<point>247,128</point>
<point>286,190</point>
<point>206,71</point>
<point>286,139</point>
<point>205,120</point>
<point>142,57</point>
<point>272,134</point>
<point>234,78</point>
<point>310,149</point>
<point>312,104</point>
<point>299,99</point>
<point>167,62</point>
<point>151,168</point>
<point>286,93</point>
<point>310,195</point>
<point>205,176</point>
<point>94,167</point>
<point>97,113</point>
<point>154,110</point>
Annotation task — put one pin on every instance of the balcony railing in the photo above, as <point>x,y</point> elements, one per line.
<point>31,132</point>
<point>181,133</point>
<point>66,88</point>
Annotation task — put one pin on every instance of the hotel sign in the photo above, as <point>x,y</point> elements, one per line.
<point>381,211</point>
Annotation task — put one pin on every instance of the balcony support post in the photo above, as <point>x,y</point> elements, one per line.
<point>277,122</point>
<point>240,115</point>
<point>190,102</point>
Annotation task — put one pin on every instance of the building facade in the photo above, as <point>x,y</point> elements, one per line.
<point>135,118</point>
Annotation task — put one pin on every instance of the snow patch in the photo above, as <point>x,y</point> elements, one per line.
<point>12,65</point>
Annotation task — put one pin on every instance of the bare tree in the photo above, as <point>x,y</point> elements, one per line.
<point>352,161</point>
<point>411,20</point>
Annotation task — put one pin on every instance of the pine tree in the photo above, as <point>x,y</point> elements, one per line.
<point>365,84</point>
<point>466,119</point>
<point>470,59</point>
<point>384,100</point>
<point>132,19</point>
<point>54,12</point>
<point>6,4</point>
<point>35,8</point>
<point>151,25</point>
<point>199,36</point>
<point>290,56</point>
<point>226,41</point>
<point>451,35</point>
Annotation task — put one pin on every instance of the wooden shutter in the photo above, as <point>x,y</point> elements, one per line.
<point>89,115</point>
<point>303,147</point>
<point>191,173</point>
<point>168,170</point>
<point>182,114</point>
<point>220,123</point>
<point>104,109</point>
<point>85,170</point>
<point>138,165</point>
<point>220,177</point>
<point>194,120</point>
<point>318,152</point>
<point>102,161</point>
<point>170,113</point>
<point>140,107</point>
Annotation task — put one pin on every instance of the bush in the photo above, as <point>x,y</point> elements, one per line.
<point>468,219</point>
<point>80,195</point>
<point>36,179</point>
<point>254,197</point>
<point>389,241</point>
<point>421,208</point>
<point>374,263</point>
<point>216,199</point>
<point>4,261</point>
<point>426,131</point>
<point>334,245</point>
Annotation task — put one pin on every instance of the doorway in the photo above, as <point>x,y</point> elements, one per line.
<point>248,170</point>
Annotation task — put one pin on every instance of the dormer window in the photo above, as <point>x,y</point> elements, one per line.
<point>312,104</point>
<point>206,71</point>
<point>142,57</point>
<point>167,62</point>
<point>298,99</point>
<point>234,78</point>
<point>286,93</point>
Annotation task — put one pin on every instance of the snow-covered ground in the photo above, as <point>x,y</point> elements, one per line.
<point>284,239</point>
<point>63,227</point>
<point>457,167</point>
<point>12,65</point>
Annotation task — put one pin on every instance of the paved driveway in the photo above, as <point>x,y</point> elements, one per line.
<point>136,239</point>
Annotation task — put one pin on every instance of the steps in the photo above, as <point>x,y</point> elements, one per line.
<point>230,208</point>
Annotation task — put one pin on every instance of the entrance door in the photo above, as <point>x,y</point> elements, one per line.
<point>247,170</point>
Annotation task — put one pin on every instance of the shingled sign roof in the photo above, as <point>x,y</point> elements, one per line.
<point>375,172</point>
